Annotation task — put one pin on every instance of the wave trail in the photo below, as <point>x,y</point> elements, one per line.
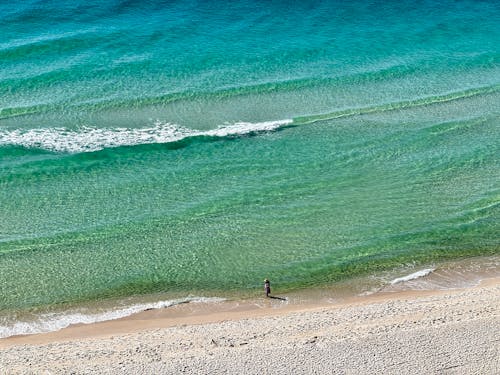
<point>50,322</point>
<point>89,139</point>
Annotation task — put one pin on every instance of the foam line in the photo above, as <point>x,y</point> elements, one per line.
<point>55,321</point>
<point>89,139</point>
<point>413,276</point>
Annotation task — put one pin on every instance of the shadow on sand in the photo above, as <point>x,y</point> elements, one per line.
<point>280,298</point>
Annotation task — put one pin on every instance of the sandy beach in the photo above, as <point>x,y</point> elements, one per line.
<point>438,332</point>
<point>159,160</point>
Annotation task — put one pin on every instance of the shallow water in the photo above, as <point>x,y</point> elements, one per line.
<point>193,149</point>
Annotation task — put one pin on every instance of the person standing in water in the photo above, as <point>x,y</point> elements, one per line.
<point>267,287</point>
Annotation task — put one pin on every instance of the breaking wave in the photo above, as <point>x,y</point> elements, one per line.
<point>413,276</point>
<point>90,139</point>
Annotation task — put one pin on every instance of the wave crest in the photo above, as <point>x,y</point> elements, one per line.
<point>413,276</point>
<point>90,139</point>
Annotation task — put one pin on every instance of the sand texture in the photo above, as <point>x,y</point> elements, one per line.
<point>452,332</point>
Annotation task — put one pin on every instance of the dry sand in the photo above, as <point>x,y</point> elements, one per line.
<point>439,332</point>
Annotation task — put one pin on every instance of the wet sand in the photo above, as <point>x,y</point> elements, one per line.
<point>399,332</point>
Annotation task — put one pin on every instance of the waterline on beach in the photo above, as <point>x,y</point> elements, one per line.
<point>450,275</point>
<point>54,321</point>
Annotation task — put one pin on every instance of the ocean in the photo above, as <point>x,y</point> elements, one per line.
<point>184,151</point>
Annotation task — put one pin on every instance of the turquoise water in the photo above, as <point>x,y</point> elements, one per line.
<point>193,149</point>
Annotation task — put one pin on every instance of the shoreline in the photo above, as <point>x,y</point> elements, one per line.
<point>448,276</point>
<point>187,314</point>
<point>392,332</point>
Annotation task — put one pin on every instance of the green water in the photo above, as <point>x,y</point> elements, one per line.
<point>191,149</point>
<point>307,205</point>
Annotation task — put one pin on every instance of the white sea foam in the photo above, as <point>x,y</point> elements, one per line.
<point>50,322</point>
<point>413,276</point>
<point>89,139</point>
